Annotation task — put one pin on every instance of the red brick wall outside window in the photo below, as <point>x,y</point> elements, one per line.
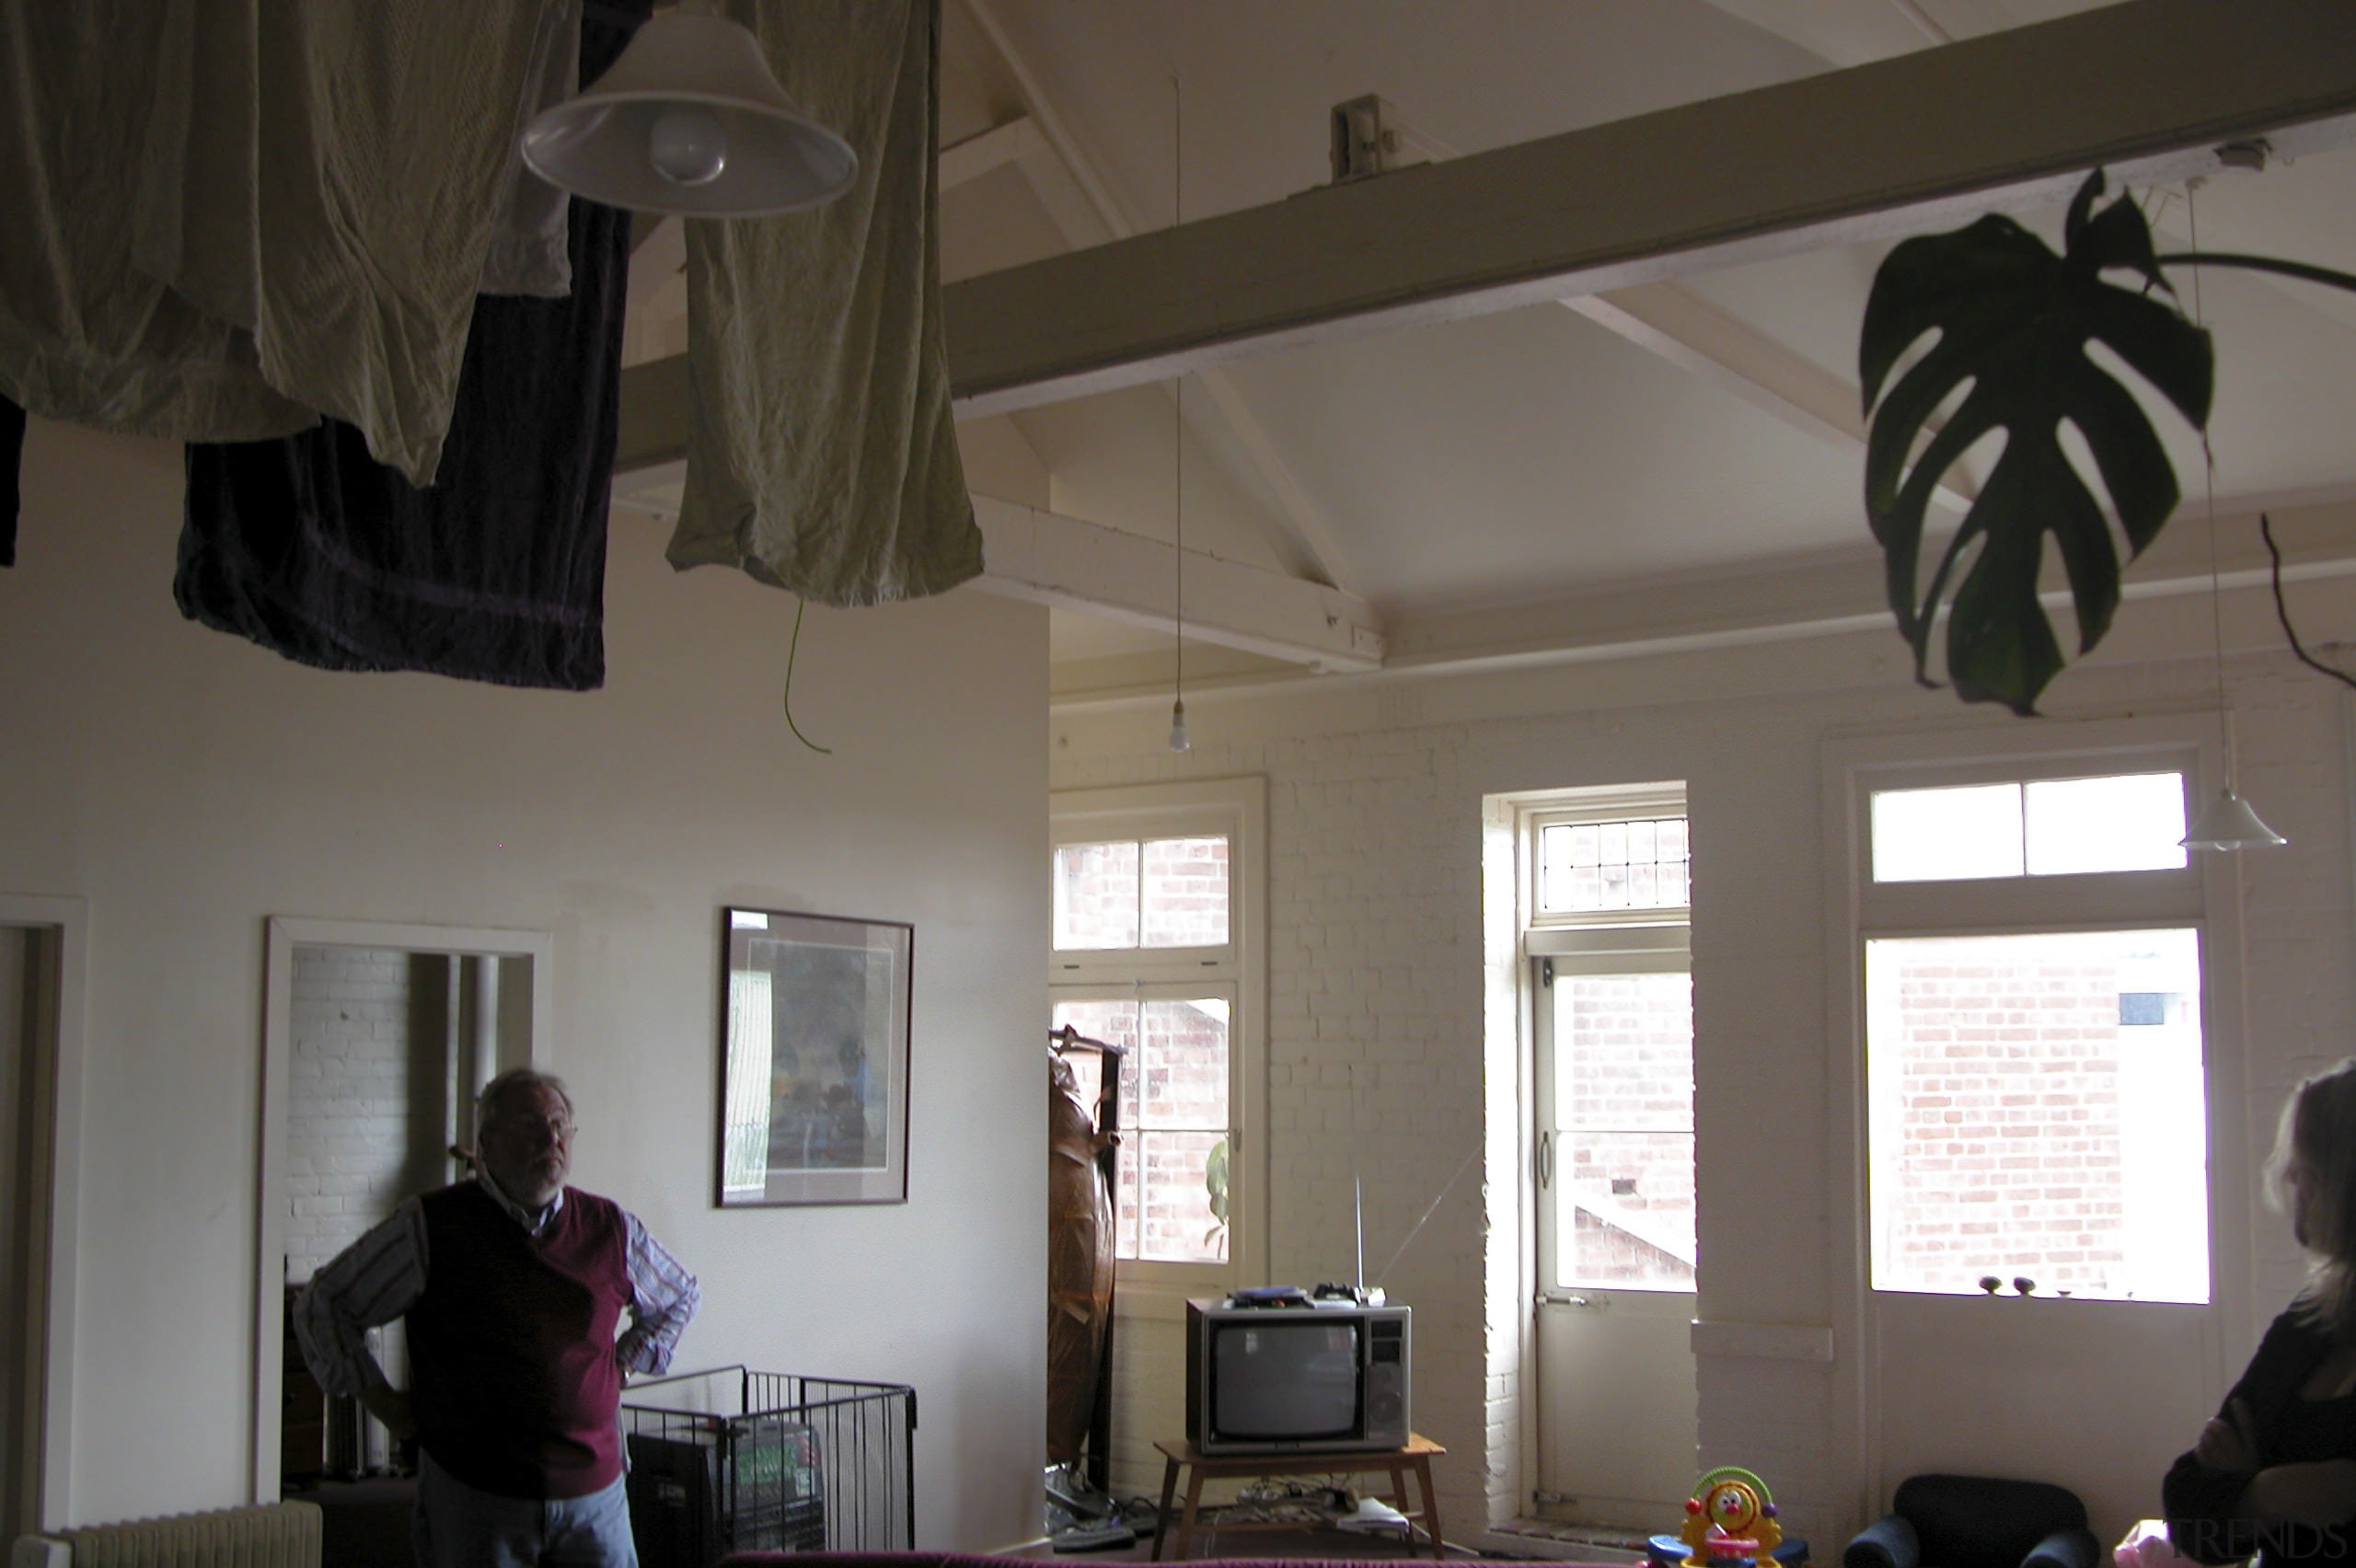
<point>2018,1123</point>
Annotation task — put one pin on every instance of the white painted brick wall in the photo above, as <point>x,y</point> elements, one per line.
<point>350,1142</point>
<point>1377,1024</point>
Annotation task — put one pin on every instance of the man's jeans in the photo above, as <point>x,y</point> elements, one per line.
<point>458,1527</point>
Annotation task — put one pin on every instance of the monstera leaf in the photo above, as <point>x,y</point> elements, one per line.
<point>2014,320</point>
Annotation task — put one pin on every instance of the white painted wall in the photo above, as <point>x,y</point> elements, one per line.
<point>1376,842</point>
<point>190,786</point>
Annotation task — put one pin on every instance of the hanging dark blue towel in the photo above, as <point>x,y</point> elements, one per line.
<point>311,549</point>
<point>12,452</point>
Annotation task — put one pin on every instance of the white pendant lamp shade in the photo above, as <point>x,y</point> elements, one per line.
<point>2229,823</point>
<point>690,120</point>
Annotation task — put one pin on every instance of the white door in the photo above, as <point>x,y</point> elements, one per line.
<point>1617,1425</point>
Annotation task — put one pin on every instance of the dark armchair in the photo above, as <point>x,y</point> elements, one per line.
<point>1968,1521</point>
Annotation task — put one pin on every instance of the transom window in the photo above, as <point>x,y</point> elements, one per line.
<point>1153,893</point>
<point>1628,863</point>
<point>2129,822</point>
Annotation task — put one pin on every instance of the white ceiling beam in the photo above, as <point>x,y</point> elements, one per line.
<point>1014,142</point>
<point>1673,321</point>
<point>1065,563</point>
<point>2147,86</point>
<point>1807,598</point>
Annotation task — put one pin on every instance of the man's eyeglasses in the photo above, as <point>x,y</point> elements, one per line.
<point>560,1129</point>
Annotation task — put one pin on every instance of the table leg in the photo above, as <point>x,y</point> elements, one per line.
<point>1162,1520</point>
<point>1194,1505</point>
<point>1431,1506</point>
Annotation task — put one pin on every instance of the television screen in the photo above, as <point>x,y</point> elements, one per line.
<point>1284,1380</point>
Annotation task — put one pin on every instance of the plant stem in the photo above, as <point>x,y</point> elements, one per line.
<point>2261,264</point>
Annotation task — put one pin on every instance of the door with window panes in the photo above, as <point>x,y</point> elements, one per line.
<point>1605,935</point>
<point>2035,1128</point>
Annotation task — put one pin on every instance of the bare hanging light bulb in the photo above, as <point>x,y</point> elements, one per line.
<point>687,145</point>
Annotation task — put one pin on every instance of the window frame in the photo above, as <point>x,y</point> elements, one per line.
<point>1236,808</point>
<point>2204,894</point>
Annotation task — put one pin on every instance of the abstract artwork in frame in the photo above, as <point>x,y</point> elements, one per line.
<point>814,1059</point>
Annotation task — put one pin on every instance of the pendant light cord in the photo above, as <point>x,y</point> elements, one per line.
<point>1178,414</point>
<point>2209,491</point>
<point>786,701</point>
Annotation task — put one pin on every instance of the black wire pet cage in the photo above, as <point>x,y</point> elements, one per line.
<point>738,1461</point>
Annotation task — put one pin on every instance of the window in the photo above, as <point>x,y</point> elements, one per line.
<point>1156,951</point>
<point>1607,909</point>
<point>2030,938</point>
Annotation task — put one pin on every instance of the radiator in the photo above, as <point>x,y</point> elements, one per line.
<point>267,1535</point>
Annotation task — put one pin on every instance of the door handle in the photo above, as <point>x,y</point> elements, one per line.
<point>1546,1160</point>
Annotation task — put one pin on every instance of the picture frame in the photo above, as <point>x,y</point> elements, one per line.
<point>814,1059</point>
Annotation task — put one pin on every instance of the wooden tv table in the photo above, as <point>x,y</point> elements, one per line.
<point>1416,1456</point>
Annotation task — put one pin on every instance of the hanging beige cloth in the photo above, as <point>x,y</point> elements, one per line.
<point>240,213</point>
<point>822,457</point>
<point>83,335</point>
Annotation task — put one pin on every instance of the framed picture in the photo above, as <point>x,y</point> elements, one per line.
<point>814,1059</point>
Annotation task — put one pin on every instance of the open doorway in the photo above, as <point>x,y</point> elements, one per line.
<point>376,1038</point>
<point>42,947</point>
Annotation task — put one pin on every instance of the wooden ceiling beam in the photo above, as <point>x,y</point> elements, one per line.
<point>2147,87</point>
<point>1893,147</point>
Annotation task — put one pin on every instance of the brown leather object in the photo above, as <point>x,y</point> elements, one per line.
<point>1079,1262</point>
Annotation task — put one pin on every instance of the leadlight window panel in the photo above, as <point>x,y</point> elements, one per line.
<point>1625,864</point>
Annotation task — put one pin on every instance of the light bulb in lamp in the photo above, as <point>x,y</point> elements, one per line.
<point>2229,824</point>
<point>1179,740</point>
<point>689,145</point>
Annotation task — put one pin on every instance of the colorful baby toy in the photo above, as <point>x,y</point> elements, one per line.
<point>1730,1521</point>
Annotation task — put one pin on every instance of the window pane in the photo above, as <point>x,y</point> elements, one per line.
<point>1625,1210</point>
<point>1947,834</point>
<point>1177,1219</point>
<point>1185,892</point>
<point>2130,822</point>
<point>1183,1074</point>
<point>2021,1126</point>
<point>1113,1022</point>
<point>1624,1052</point>
<point>1639,863</point>
<point>1096,896</point>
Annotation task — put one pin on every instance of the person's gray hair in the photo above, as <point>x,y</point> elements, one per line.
<point>2316,1147</point>
<point>514,1082</point>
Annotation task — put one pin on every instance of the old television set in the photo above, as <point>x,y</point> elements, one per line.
<point>1267,1380</point>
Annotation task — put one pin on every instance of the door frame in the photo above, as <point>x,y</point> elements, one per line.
<point>1849,766</point>
<point>284,935</point>
<point>48,1395</point>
